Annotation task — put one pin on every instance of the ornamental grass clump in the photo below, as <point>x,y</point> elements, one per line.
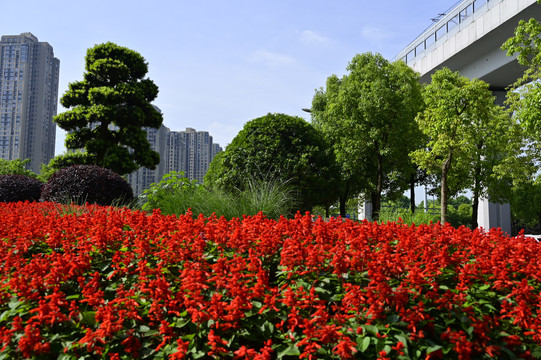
<point>110,283</point>
<point>176,194</point>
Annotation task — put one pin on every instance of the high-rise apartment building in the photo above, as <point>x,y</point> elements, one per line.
<point>29,75</point>
<point>191,151</point>
<point>142,178</point>
<point>188,151</point>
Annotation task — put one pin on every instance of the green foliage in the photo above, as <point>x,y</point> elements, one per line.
<point>393,210</point>
<point>471,138</point>
<point>394,214</point>
<point>109,109</point>
<point>282,148</point>
<point>16,187</point>
<point>459,212</point>
<point>526,206</point>
<point>162,195</point>
<point>525,44</point>
<point>460,215</point>
<point>368,115</point>
<point>216,167</point>
<point>17,167</point>
<point>460,200</point>
<point>524,96</point>
<point>87,183</point>
<point>175,194</point>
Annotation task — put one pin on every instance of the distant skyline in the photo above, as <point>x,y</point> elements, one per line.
<point>221,64</point>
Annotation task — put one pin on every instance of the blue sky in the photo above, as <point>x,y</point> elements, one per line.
<point>219,64</point>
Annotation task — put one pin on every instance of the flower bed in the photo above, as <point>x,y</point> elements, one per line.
<point>101,282</point>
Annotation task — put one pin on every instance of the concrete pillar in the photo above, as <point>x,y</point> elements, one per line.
<point>365,210</point>
<point>491,215</point>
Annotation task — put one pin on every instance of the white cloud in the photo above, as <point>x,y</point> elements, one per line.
<point>376,34</point>
<point>311,38</point>
<point>270,59</point>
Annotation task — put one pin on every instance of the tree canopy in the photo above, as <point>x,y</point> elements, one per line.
<point>524,96</point>
<point>109,108</point>
<point>469,137</point>
<point>368,116</point>
<point>278,147</point>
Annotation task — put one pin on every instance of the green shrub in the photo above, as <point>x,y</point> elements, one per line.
<point>390,214</point>
<point>459,216</point>
<point>15,187</point>
<point>87,183</point>
<point>16,166</point>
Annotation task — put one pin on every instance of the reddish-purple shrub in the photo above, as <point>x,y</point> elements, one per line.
<point>87,183</point>
<point>15,188</point>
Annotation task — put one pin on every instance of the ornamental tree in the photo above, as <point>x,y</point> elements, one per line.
<point>278,147</point>
<point>471,139</point>
<point>369,117</point>
<point>109,108</point>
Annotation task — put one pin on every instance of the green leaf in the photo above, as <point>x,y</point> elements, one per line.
<point>363,343</point>
<point>267,327</point>
<point>88,318</point>
<point>392,319</point>
<point>484,287</point>
<point>5,315</point>
<point>292,350</point>
<point>65,357</point>
<point>371,329</point>
<point>433,348</point>
<point>14,302</point>
<point>181,322</point>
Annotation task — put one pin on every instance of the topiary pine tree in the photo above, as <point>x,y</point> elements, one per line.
<point>109,108</point>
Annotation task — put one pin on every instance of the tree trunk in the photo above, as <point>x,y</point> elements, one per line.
<point>412,194</point>
<point>475,211</point>
<point>343,200</point>
<point>445,187</point>
<point>376,196</point>
<point>374,199</point>
<point>475,200</point>
<point>102,150</point>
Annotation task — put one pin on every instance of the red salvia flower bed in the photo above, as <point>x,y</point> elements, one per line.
<point>100,282</point>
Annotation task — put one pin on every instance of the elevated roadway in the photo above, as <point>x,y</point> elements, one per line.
<point>468,39</point>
